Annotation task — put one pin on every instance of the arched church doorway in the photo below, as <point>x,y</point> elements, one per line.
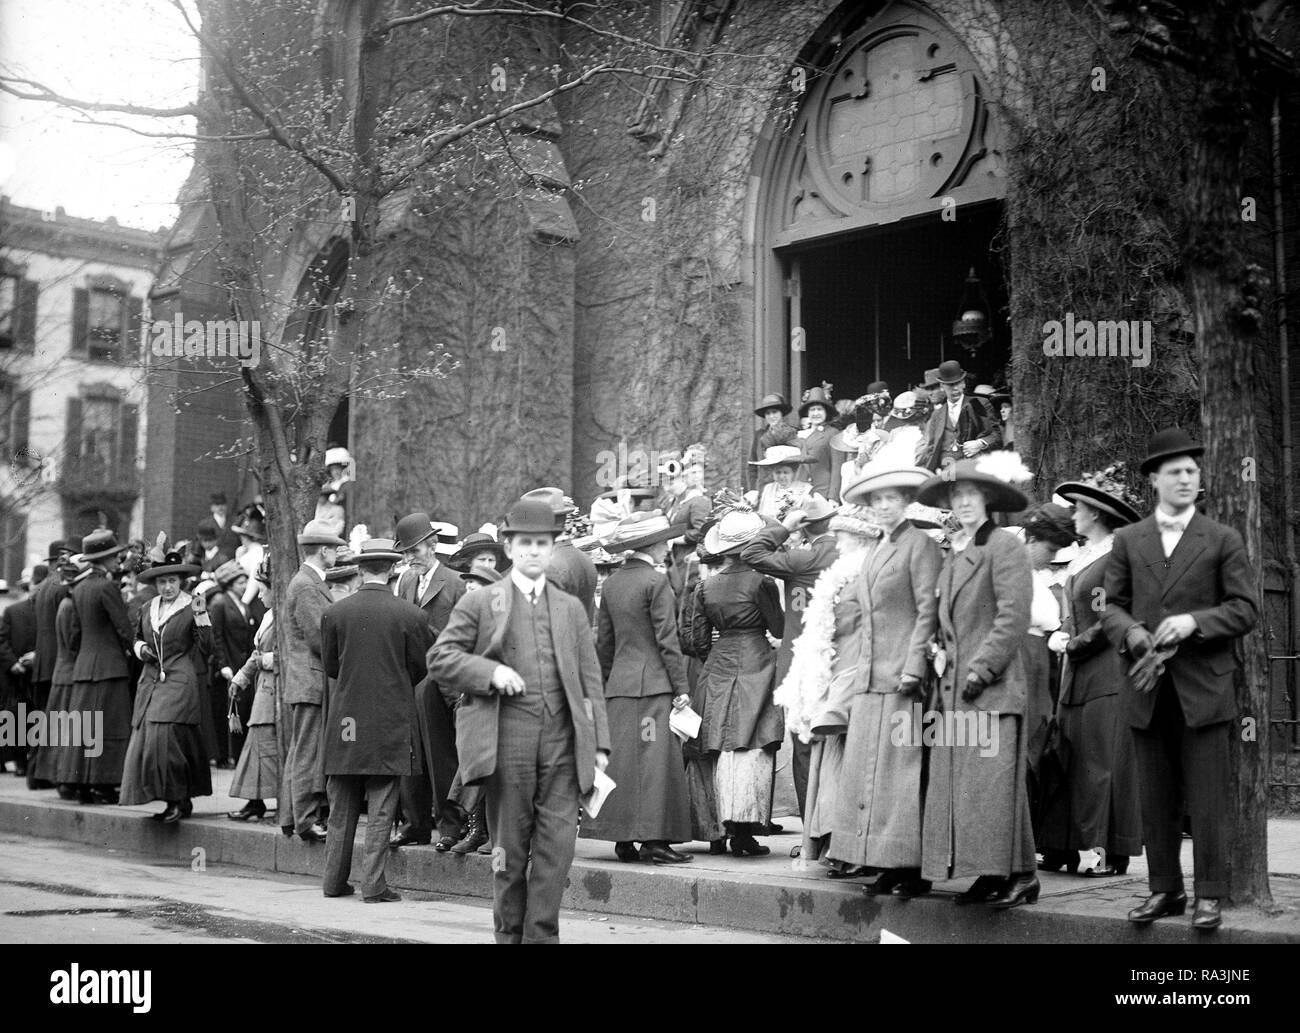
<point>876,204</point>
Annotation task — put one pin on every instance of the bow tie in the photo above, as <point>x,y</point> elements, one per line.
<point>1177,526</point>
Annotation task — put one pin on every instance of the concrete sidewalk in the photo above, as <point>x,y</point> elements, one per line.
<point>774,894</point>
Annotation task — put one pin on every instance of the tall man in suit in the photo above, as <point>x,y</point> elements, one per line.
<point>961,428</point>
<point>373,648</point>
<point>532,729</point>
<point>570,569</point>
<point>45,601</point>
<point>434,588</point>
<point>302,793</point>
<point>1178,594</point>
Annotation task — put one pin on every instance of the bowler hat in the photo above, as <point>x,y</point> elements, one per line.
<point>530,516</point>
<point>1168,444</point>
<point>412,530</point>
<point>950,372</point>
<point>772,401</point>
<point>100,544</point>
<point>56,548</point>
<point>319,532</point>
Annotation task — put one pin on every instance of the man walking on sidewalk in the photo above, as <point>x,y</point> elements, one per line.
<point>532,727</point>
<point>373,646</point>
<point>1178,593</point>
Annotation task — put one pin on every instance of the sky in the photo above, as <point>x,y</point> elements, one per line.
<point>123,51</point>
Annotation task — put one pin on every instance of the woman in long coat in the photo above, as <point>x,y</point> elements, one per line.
<point>877,821</point>
<point>1100,776</point>
<point>100,672</point>
<point>58,763</point>
<point>977,808</point>
<point>644,675</point>
<point>165,759</point>
<point>257,774</point>
<point>818,690</point>
<point>742,728</point>
<point>822,470</point>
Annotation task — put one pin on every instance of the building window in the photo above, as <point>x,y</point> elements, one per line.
<point>100,445</point>
<point>104,324</point>
<point>104,317</point>
<point>17,312</point>
<point>8,310</point>
<point>99,420</point>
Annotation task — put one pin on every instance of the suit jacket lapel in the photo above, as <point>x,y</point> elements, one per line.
<point>502,599</point>
<point>964,567</point>
<point>1189,546</point>
<point>435,585</point>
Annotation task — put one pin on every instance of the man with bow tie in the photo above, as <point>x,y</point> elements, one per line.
<point>1179,592</point>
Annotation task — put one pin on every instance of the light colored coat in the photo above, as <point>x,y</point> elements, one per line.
<point>896,589</point>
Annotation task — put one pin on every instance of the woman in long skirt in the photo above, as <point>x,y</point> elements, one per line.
<point>58,763</point>
<point>818,690</point>
<point>1102,812</point>
<point>165,759</point>
<point>741,728</point>
<point>877,823</point>
<point>705,824</point>
<point>976,807</point>
<point>257,773</point>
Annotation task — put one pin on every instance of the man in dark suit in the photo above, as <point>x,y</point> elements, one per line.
<point>17,640</point>
<point>684,505</point>
<point>570,570</point>
<point>45,603</point>
<point>302,799</point>
<point>373,648</point>
<point>798,570</point>
<point>532,728</point>
<point>434,588</point>
<point>961,428</point>
<point>1179,593</point>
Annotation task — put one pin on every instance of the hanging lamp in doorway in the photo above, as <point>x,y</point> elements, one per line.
<point>971,329</point>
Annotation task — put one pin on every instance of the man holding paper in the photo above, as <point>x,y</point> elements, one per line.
<point>645,686</point>
<point>532,726</point>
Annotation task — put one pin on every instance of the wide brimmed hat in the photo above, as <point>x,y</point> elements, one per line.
<point>815,508</point>
<point>338,457</point>
<point>637,489</point>
<point>733,531</point>
<point>530,516</point>
<point>894,466</point>
<point>56,548</point>
<point>781,455</point>
<point>950,372</point>
<point>1168,444</point>
<point>1050,523</point>
<point>472,546</point>
<point>604,560</point>
<point>164,561</point>
<point>484,575</point>
<point>772,401</point>
<point>377,549</point>
<point>994,472</point>
<point>857,520</point>
<point>643,528</point>
<point>999,396</point>
<point>447,535</point>
<point>851,439</point>
<point>344,570</point>
<point>1103,490</point>
<point>252,524</point>
<point>816,396</point>
<point>228,573</point>
<point>983,391</point>
<point>319,532</point>
<point>101,544</point>
<point>924,518</point>
<point>908,408</point>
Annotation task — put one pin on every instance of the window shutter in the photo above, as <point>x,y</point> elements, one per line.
<point>25,324</point>
<point>80,322</point>
<point>72,442</point>
<point>129,347</point>
<point>127,443</point>
<point>20,419</point>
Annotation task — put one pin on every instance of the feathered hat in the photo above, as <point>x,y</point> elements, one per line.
<point>163,561</point>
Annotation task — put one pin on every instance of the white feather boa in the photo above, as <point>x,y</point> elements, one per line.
<point>803,691</point>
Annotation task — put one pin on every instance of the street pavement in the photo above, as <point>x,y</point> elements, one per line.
<point>52,891</point>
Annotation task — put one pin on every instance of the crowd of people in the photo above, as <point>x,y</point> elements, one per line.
<point>974,685</point>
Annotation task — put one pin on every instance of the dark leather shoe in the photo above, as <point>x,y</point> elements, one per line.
<point>172,814</point>
<point>485,848</point>
<point>286,831</point>
<point>347,891</point>
<point>1055,860</point>
<point>662,854</point>
<point>718,846</point>
<point>315,834</point>
<point>1159,905</point>
<point>405,838</point>
<point>106,796</point>
<point>984,890</point>
<point>885,882</point>
<point>251,811</point>
<point>474,838</point>
<point>746,845</point>
<point>387,897</point>
<point>1101,873</point>
<point>626,852</point>
<point>912,886</point>
<point>1206,916</point>
<point>67,792</point>
<point>1021,889</point>
<point>444,843</point>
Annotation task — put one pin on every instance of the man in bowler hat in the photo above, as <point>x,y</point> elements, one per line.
<point>961,428</point>
<point>373,648</point>
<point>1178,594</point>
<point>532,728</point>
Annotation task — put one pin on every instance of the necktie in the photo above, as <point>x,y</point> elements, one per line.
<point>532,596</point>
<point>1171,526</point>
